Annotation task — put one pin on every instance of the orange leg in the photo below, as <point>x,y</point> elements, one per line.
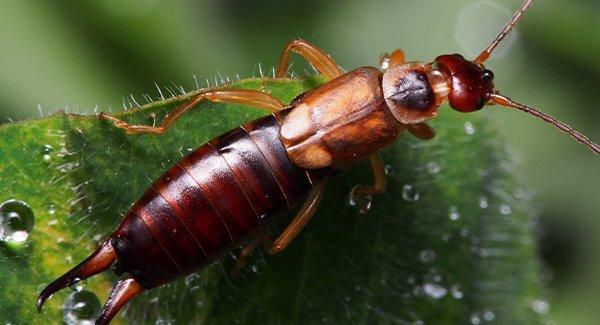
<point>314,55</point>
<point>300,220</point>
<point>248,249</point>
<point>362,193</point>
<point>389,60</point>
<point>237,96</point>
<point>421,131</point>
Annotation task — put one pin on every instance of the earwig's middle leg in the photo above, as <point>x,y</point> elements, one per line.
<point>361,193</point>
<point>300,220</point>
<point>238,96</point>
<point>314,55</point>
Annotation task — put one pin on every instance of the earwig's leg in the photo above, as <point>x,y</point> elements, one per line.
<point>314,55</point>
<point>237,96</point>
<point>99,261</point>
<point>387,60</point>
<point>361,193</point>
<point>121,293</point>
<point>397,57</point>
<point>246,251</point>
<point>421,131</point>
<point>300,220</point>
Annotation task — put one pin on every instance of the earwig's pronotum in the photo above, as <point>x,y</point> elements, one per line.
<point>231,189</point>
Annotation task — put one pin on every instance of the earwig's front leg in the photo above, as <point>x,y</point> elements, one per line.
<point>361,194</point>
<point>314,55</point>
<point>397,57</point>
<point>238,96</point>
<point>300,220</point>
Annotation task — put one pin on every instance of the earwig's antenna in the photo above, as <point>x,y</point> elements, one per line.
<point>507,102</point>
<point>507,29</point>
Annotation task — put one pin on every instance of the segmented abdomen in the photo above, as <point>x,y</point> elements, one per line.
<point>210,202</point>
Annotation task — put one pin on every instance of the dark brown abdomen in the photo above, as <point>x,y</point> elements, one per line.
<point>209,203</point>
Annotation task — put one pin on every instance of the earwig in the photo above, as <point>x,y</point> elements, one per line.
<point>231,189</point>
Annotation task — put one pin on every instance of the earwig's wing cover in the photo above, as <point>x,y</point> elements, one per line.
<point>406,261</point>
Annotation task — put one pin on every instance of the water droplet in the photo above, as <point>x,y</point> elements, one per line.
<point>389,170</point>
<point>427,256</point>
<point>409,193</point>
<point>77,285</point>
<point>475,320</point>
<point>456,293</point>
<point>540,306</point>
<point>363,203</point>
<point>433,167</point>
<point>46,149</point>
<point>489,315</point>
<point>384,61</point>
<point>464,232</point>
<point>453,214</point>
<point>483,202</point>
<point>505,209</point>
<point>52,209</point>
<point>81,308</point>
<point>46,157</point>
<point>16,221</point>
<point>434,290</point>
<point>469,128</point>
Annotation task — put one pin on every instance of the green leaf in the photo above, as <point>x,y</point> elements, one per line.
<point>449,242</point>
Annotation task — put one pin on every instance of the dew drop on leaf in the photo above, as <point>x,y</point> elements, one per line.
<point>469,128</point>
<point>81,308</point>
<point>16,221</point>
<point>483,202</point>
<point>505,209</point>
<point>453,213</point>
<point>77,285</point>
<point>489,315</point>
<point>409,193</point>
<point>456,292</point>
<point>427,256</point>
<point>434,290</point>
<point>433,167</point>
<point>540,306</point>
<point>475,319</point>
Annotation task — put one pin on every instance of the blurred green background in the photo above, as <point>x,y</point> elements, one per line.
<point>79,55</point>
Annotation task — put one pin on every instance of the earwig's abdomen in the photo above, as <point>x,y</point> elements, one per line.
<point>209,202</point>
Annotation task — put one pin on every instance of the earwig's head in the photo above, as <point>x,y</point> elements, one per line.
<point>470,83</point>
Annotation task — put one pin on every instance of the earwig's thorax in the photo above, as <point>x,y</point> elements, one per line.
<point>414,91</point>
<point>471,84</point>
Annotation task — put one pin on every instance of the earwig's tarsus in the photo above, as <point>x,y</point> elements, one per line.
<point>507,102</point>
<point>483,56</point>
<point>99,261</point>
<point>121,293</point>
<point>422,131</point>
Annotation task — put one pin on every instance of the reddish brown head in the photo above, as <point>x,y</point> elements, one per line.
<point>471,84</point>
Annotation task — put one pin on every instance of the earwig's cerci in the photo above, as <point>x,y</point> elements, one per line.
<point>228,191</point>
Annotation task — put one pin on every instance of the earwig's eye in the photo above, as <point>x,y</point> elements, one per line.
<point>487,75</point>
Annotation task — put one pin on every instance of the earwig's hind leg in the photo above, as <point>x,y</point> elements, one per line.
<point>121,293</point>
<point>314,55</point>
<point>300,220</point>
<point>238,96</point>
<point>361,194</point>
<point>99,261</point>
<point>421,131</point>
